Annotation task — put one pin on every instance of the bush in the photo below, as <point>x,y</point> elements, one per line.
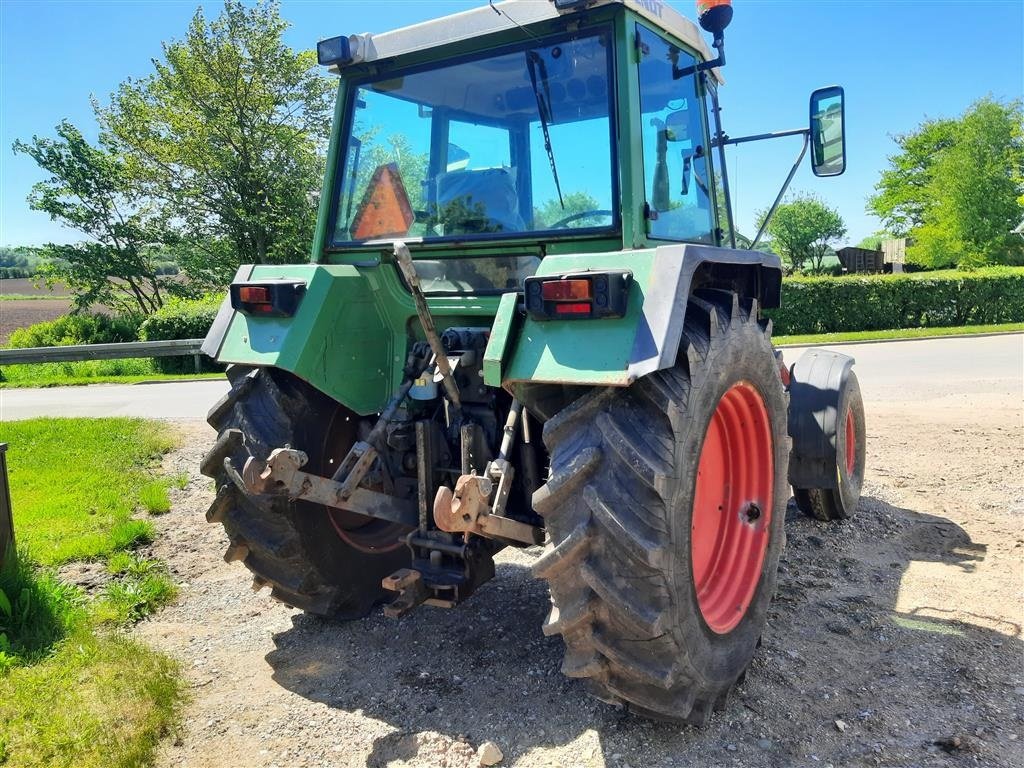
<point>181,319</point>
<point>16,273</point>
<point>882,302</point>
<point>84,328</point>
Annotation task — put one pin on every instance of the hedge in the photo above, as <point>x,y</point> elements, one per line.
<point>882,302</point>
<point>85,328</point>
<point>181,319</point>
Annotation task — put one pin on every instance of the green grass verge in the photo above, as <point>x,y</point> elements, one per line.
<point>89,372</point>
<point>139,588</point>
<point>36,611</point>
<point>903,333</point>
<point>100,700</point>
<point>76,484</point>
<point>75,691</point>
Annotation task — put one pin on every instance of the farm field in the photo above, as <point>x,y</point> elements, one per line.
<point>38,305</point>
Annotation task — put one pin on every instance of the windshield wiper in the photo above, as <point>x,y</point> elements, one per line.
<point>535,63</point>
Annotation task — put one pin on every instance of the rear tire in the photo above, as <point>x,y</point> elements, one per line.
<point>626,554</point>
<point>293,547</point>
<point>827,504</point>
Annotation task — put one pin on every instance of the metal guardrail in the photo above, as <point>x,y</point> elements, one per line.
<point>121,351</point>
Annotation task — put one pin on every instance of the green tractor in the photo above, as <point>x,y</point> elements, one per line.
<point>526,322</point>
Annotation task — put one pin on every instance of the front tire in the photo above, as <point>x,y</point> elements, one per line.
<point>660,597</point>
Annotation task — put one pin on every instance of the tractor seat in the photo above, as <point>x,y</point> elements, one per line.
<point>479,200</point>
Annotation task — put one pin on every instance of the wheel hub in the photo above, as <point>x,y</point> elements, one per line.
<point>732,507</point>
<point>358,531</point>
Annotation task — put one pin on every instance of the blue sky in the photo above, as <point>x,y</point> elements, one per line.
<point>899,62</point>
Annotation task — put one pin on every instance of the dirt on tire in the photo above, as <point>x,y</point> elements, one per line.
<point>894,638</point>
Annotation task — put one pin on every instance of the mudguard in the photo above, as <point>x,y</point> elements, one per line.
<point>350,332</point>
<point>618,351</point>
<point>817,380</point>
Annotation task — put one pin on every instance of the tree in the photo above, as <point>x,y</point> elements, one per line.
<point>91,190</point>
<point>872,242</point>
<point>802,229</point>
<point>967,195</point>
<point>552,212</point>
<point>229,133</point>
<point>903,190</point>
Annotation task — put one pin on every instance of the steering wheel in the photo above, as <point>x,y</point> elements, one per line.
<point>564,223</point>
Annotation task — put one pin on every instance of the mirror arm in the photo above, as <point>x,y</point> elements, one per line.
<point>719,45</point>
<point>726,141</point>
<point>785,186</point>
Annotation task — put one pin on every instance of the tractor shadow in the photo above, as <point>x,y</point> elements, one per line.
<point>912,680</point>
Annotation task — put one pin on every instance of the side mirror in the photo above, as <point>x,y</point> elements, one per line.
<point>828,140</point>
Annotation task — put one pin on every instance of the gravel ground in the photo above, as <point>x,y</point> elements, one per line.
<point>894,639</point>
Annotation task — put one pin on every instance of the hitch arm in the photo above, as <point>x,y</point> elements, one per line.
<point>281,472</point>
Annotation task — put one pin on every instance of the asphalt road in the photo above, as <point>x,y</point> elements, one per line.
<point>888,372</point>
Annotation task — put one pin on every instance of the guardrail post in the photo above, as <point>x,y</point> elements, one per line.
<point>6,518</point>
<point>198,363</point>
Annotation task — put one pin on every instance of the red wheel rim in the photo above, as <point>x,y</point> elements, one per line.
<point>369,535</point>
<point>732,507</point>
<point>851,443</point>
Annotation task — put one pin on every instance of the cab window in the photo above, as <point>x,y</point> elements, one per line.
<point>679,196</point>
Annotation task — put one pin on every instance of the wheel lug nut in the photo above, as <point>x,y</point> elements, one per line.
<point>752,512</point>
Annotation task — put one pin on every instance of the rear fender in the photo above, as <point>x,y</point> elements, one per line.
<point>340,338</point>
<point>524,352</point>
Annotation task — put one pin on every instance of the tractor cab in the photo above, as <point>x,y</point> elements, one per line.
<point>546,126</point>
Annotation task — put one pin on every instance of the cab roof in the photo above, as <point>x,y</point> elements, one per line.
<point>502,16</point>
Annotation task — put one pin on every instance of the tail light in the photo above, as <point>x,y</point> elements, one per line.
<point>578,295</point>
<point>279,298</point>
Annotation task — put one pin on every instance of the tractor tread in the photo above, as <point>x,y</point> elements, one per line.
<point>255,416</point>
<point>607,509</point>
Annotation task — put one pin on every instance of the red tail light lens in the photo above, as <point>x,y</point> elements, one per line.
<point>572,309</point>
<point>276,298</point>
<point>566,290</point>
<point>578,295</point>
<point>254,294</point>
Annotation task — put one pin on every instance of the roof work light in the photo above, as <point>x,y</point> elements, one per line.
<point>334,51</point>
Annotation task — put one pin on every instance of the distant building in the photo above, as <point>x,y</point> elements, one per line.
<point>861,259</point>
<point>895,251</point>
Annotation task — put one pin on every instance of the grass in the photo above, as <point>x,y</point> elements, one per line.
<point>89,372</point>
<point>153,497</point>
<point>140,587</point>
<point>75,690</point>
<point>33,296</point>
<point>36,611</point>
<point>76,484</point>
<point>904,333</point>
<point>99,700</point>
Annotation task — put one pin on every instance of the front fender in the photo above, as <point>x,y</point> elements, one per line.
<point>616,352</point>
